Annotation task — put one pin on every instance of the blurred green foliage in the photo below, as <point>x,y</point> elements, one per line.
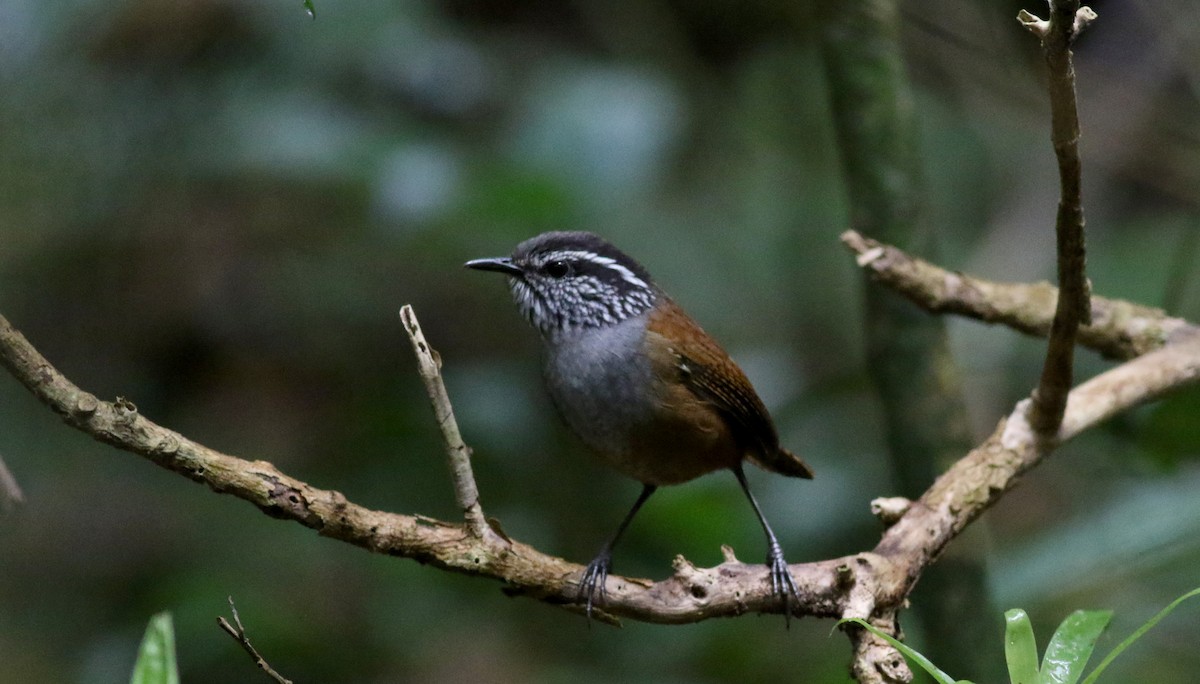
<point>216,208</point>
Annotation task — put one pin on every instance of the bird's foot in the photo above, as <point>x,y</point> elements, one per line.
<point>591,583</point>
<point>783,587</point>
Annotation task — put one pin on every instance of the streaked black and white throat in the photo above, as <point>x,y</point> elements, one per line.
<point>572,281</point>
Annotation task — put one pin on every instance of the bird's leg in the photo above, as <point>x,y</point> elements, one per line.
<point>591,584</point>
<point>782,584</point>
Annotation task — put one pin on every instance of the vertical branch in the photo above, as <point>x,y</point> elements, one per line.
<point>875,660</point>
<point>875,121</point>
<point>457,452</point>
<point>1067,20</point>
<point>908,354</point>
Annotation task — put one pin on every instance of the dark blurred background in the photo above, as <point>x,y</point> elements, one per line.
<point>215,208</point>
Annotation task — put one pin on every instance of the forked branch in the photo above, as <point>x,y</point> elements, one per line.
<point>840,587</point>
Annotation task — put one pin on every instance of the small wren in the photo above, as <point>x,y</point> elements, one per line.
<point>638,381</point>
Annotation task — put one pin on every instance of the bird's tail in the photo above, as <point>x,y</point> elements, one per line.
<point>783,462</point>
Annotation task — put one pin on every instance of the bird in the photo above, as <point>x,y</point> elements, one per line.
<point>640,383</point>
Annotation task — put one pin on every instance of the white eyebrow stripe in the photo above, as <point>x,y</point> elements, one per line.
<point>609,262</point>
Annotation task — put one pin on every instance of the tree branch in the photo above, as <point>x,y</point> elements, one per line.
<point>1056,36</point>
<point>849,586</point>
<point>239,635</point>
<point>690,595</point>
<point>907,353</point>
<point>875,660</point>
<point>1119,329</point>
<point>873,585</point>
<point>458,453</point>
<point>981,478</point>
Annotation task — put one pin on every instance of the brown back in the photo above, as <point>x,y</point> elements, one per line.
<point>706,369</point>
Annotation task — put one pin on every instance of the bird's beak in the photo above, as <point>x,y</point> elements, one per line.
<point>499,264</point>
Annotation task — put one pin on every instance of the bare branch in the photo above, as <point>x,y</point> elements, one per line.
<point>239,635</point>
<point>1037,26</point>
<point>889,509</point>
<point>457,452</point>
<point>1074,298</point>
<point>875,660</point>
<point>1119,329</point>
<point>908,356</point>
<point>981,478</point>
<point>737,588</point>
<point>1137,382</point>
<point>870,585</point>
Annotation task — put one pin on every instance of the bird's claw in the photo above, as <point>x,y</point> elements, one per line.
<point>592,590</point>
<point>783,586</point>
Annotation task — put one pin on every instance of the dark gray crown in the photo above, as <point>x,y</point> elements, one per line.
<point>564,281</point>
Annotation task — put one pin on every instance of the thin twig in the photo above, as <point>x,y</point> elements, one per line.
<point>1119,329</point>
<point>10,492</point>
<point>1073,309</point>
<point>466,492</point>
<point>239,635</point>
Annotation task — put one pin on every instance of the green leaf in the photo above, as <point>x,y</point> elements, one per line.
<point>308,7</point>
<point>1020,650</point>
<point>908,652</point>
<point>1137,634</point>
<point>156,656</point>
<point>1072,645</point>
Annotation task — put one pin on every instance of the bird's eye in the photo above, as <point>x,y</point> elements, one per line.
<point>557,269</point>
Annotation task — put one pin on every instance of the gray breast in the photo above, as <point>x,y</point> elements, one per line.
<point>598,379</point>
